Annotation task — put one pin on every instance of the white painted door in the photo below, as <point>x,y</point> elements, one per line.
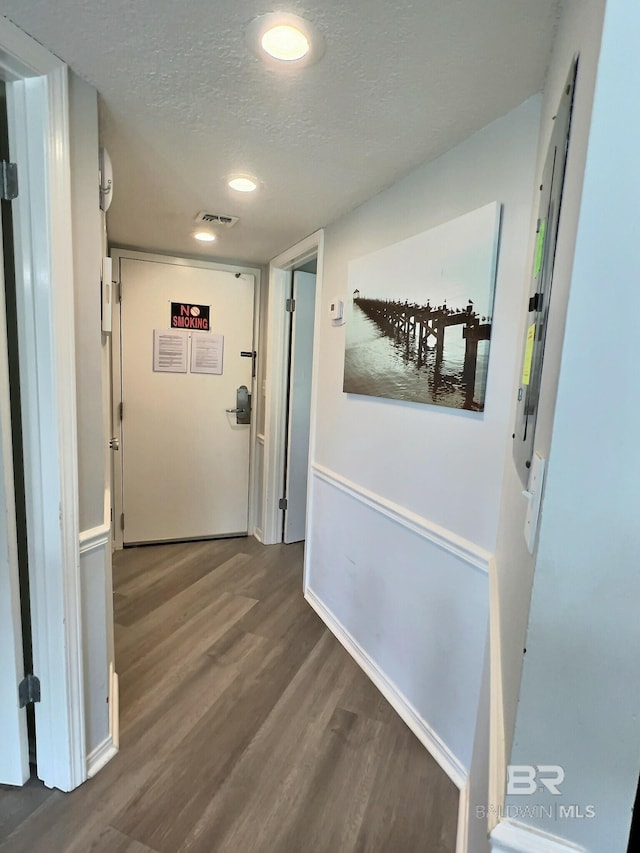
<point>185,458</point>
<point>14,746</point>
<point>304,293</point>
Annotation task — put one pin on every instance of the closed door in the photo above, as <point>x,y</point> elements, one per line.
<point>186,349</point>
<point>14,747</point>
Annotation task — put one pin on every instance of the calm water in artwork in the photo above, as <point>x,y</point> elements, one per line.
<point>382,365</point>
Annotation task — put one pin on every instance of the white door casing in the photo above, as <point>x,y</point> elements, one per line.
<point>185,460</point>
<point>300,371</point>
<point>14,746</point>
<point>38,117</point>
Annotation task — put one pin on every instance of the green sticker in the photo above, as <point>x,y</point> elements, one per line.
<point>539,248</point>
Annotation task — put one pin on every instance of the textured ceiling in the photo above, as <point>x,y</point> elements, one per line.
<point>183,103</point>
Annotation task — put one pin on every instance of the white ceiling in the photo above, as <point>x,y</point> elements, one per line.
<point>183,103</point>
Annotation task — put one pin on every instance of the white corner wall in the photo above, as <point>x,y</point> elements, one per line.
<point>579,704</point>
<point>579,32</point>
<point>404,497</point>
<point>87,253</point>
<point>95,555</point>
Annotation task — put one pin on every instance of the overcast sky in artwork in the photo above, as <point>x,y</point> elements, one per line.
<point>455,261</point>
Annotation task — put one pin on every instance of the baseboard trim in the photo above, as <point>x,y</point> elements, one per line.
<point>114,707</point>
<point>497,744</point>
<point>94,538</point>
<point>101,755</point>
<point>449,541</point>
<point>421,729</point>
<point>462,834</point>
<point>511,836</point>
<point>258,535</point>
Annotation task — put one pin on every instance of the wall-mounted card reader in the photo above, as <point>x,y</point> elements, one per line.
<point>107,293</point>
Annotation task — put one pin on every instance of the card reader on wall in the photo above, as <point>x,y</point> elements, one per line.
<point>533,494</point>
<point>336,311</point>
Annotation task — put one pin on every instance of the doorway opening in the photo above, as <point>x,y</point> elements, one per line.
<point>11,310</point>
<point>301,310</point>
<point>184,378</point>
<point>285,271</point>
<point>37,96</point>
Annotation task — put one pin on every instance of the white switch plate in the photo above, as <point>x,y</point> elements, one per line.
<point>533,494</point>
<point>336,312</point>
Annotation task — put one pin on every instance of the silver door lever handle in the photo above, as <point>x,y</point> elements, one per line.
<point>242,409</point>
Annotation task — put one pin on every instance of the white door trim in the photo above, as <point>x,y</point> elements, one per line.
<point>199,263</point>
<point>277,377</point>
<point>38,109</point>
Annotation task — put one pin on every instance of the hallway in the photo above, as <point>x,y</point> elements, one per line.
<point>245,726</point>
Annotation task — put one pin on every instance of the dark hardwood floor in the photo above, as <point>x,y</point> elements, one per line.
<point>245,726</point>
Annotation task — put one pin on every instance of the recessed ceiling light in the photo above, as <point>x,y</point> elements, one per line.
<point>243,183</point>
<point>205,236</point>
<point>285,40</point>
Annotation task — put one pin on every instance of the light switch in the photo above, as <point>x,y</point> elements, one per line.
<point>533,494</point>
<point>336,312</point>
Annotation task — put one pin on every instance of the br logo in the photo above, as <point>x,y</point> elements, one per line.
<point>529,778</point>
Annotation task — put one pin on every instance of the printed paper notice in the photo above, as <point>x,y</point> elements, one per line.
<point>528,354</point>
<point>206,353</point>
<point>537,263</point>
<point>169,351</point>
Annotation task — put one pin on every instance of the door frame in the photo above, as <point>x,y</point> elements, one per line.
<point>38,112</point>
<point>116,374</point>
<point>277,361</point>
<point>301,327</point>
<point>14,739</point>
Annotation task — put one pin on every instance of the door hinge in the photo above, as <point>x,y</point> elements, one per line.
<point>121,521</point>
<point>118,286</point>
<point>290,306</point>
<point>120,410</point>
<point>111,516</point>
<point>29,690</point>
<point>8,180</point>
<point>282,503</point>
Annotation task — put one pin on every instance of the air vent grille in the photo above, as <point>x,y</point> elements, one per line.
<point>220,219</point>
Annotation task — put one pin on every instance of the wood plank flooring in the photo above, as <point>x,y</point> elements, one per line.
<point>245,726</point>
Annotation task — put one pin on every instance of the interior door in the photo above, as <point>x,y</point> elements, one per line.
<point>301,362</point>
<point>185,455</point>
<point>14,746</point>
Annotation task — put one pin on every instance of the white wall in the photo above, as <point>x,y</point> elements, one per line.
<point>87,242</point>
<point>579,32</point>
<point>405,497</point>
<point>579,703</point>
<point>94,535</point>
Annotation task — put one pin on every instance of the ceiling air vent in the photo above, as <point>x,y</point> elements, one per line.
<point>216,219</point>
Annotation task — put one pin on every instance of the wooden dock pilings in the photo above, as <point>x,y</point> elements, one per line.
<point>426,325</point>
